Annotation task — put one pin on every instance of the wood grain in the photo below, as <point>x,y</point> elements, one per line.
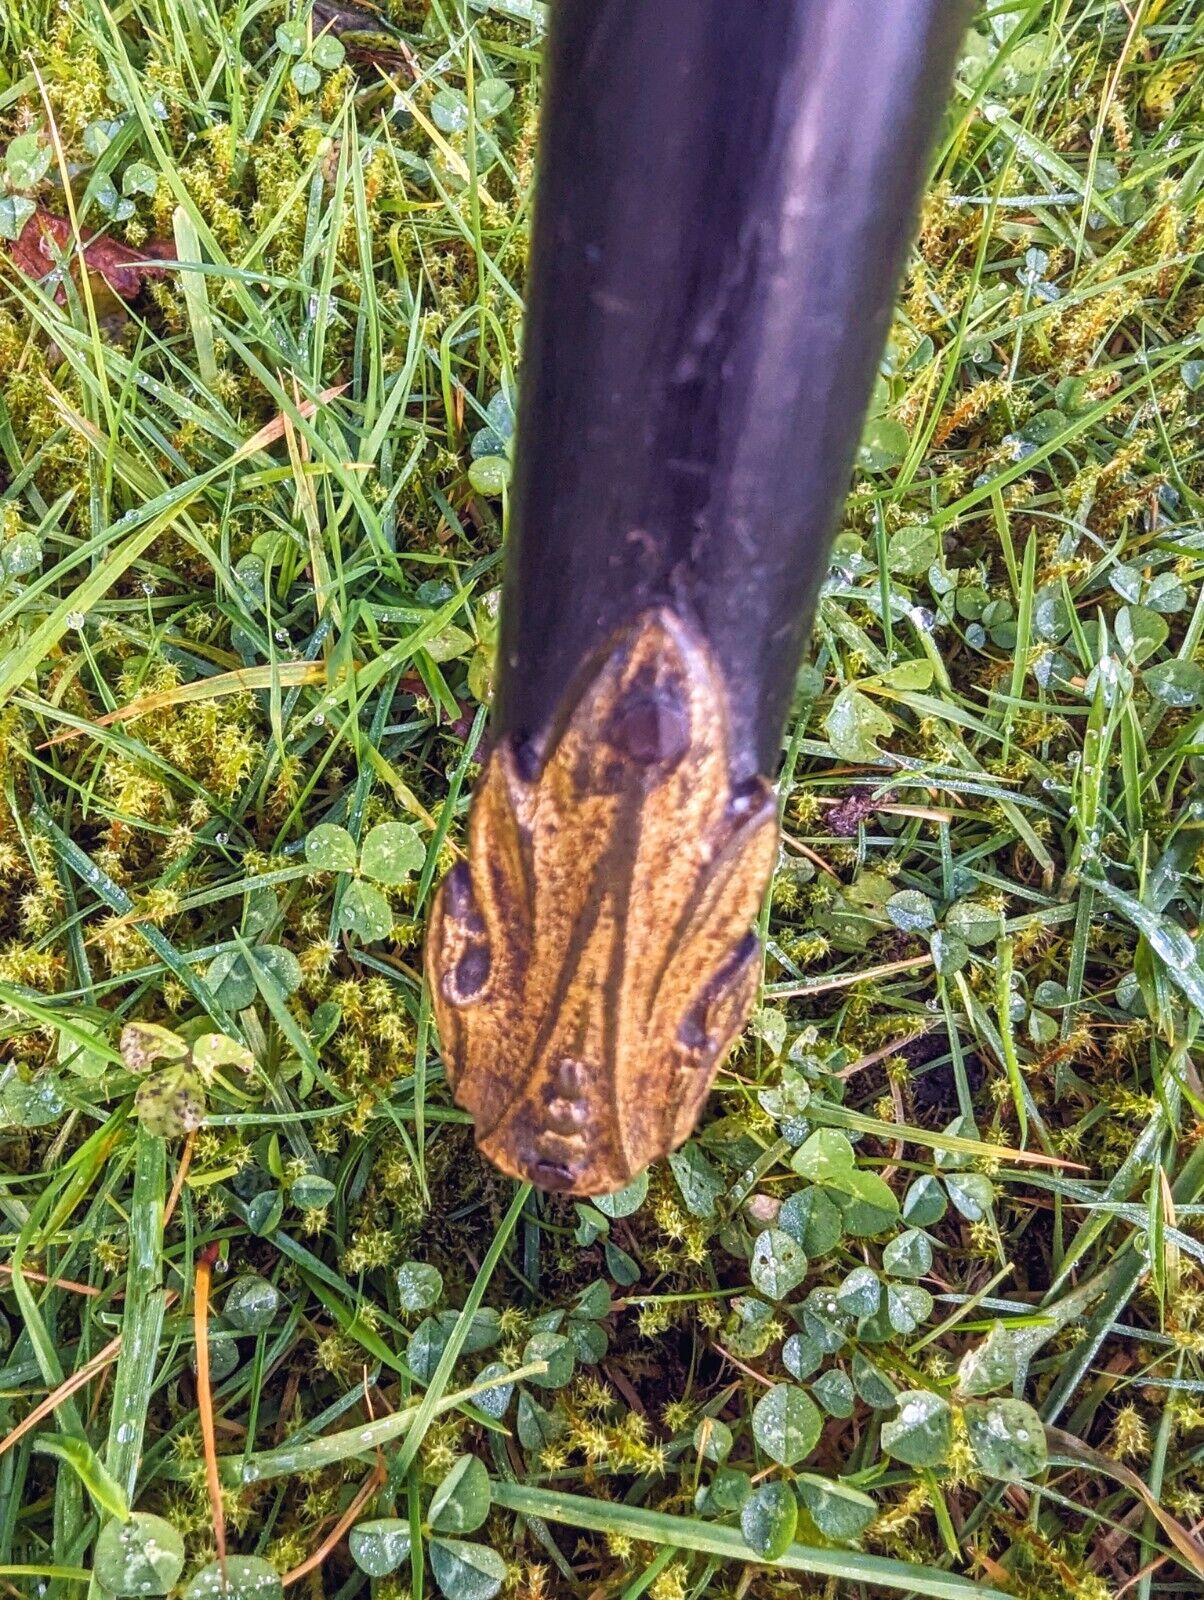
<point>593,960</point>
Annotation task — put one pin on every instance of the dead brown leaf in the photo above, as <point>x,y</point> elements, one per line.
<point>46,238</point>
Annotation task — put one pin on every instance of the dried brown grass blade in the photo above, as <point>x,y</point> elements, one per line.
<point>65,1389</point>
<point>288,674</point>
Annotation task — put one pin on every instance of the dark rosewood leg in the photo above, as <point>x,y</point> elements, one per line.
<point>726,195</point>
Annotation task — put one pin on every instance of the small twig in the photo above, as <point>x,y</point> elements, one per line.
<point>1160,1561</point>
<point>925,813</point>
<point>55,1283</point>
<point>896,1156</point>
<point>750,1371</point>
<point>204,1395</point>
<point>292,1387</point>
<point>346,1521</point>
<point>624,1388</point>
<point>181,1174</point>
<point>812,855</point>
<point>875,1056</point>
<point>845,980</point>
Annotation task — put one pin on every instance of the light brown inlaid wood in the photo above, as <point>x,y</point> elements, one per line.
<point>593,960</point>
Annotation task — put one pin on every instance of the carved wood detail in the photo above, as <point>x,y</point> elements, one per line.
<point>593,959</point>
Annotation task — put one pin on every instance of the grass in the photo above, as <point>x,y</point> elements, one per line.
<point>250,527</point>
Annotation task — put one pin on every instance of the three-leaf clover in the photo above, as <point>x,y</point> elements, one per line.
<point>489,471</point>
<point>27,160</point>
<point>464,1570</point>
<point>170,1101</point>
<point>391,853</point>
